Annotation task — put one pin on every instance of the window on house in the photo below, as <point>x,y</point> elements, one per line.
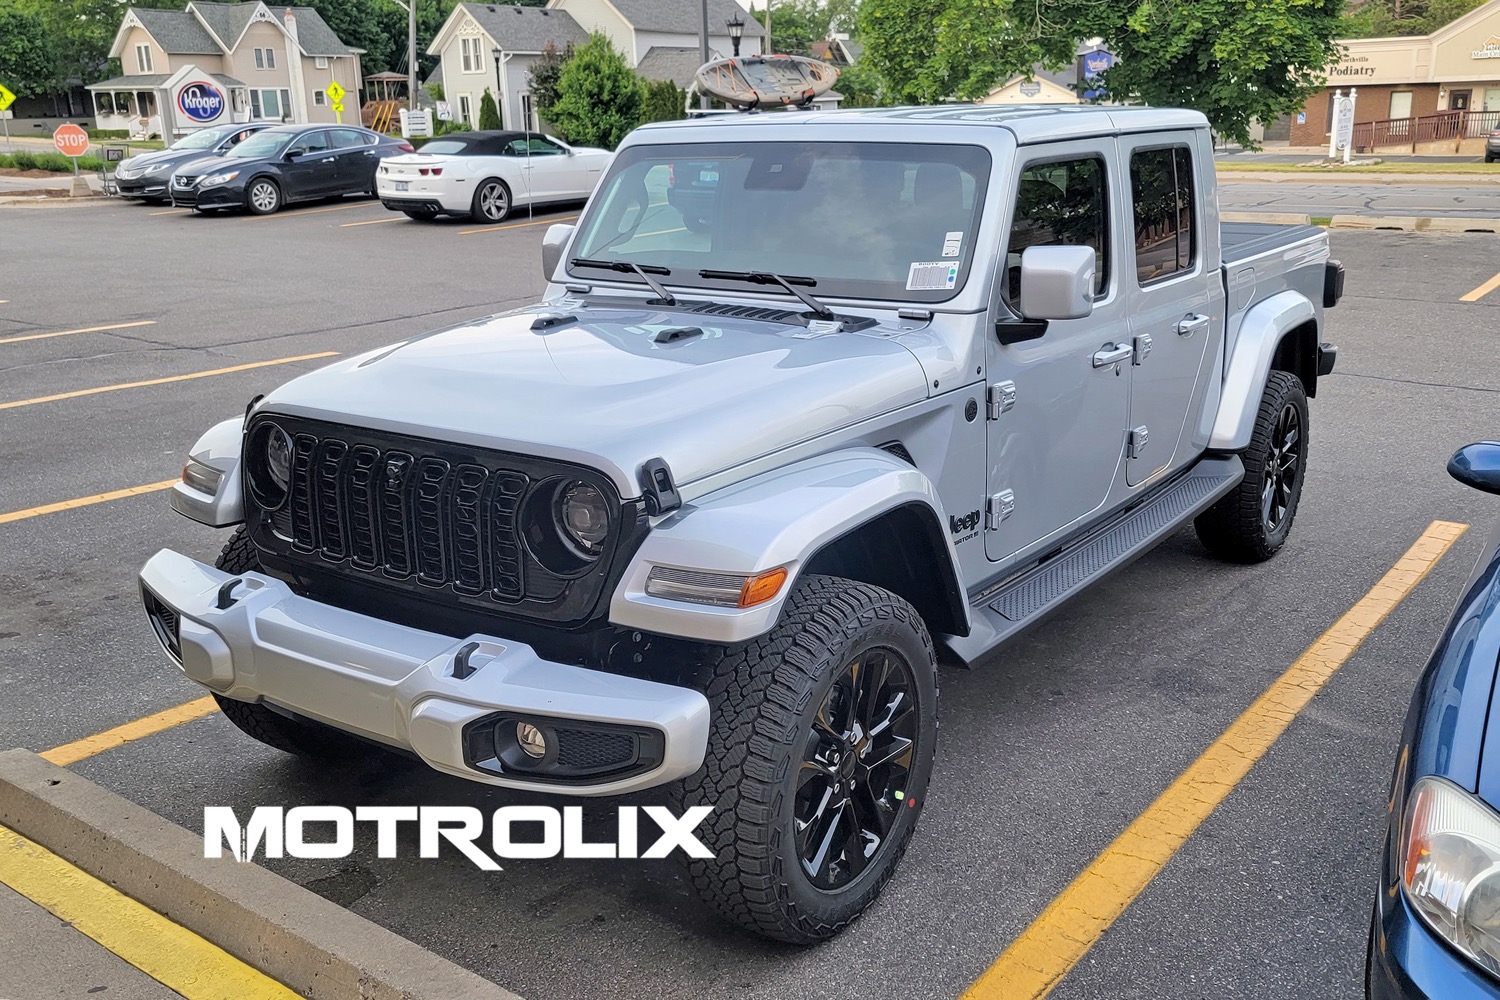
<point>270,105</point>
<point>143,58</point>
<point>1161,184</point>
<point>320,99</point>
<point>1061,203</point>
<point>527,114</point>
<point>473,55</point>
<point>260,58</point>
<point>463,109</point>
<point>321,62</point>
<point>270,58</point>
<point>1400,104</point>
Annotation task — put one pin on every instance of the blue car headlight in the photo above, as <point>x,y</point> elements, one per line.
<point>1450,868</point>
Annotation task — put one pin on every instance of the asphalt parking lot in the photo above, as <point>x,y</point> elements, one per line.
<point>125,331</point>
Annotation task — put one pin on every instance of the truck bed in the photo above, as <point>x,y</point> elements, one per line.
<point>1244,240</point>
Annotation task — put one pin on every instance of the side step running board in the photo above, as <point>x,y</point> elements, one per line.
<point>1035,593</point>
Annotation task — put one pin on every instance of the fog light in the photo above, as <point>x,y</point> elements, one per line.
<point>531,740</point>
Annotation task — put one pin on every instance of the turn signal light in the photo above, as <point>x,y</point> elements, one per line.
<point>762,588</point>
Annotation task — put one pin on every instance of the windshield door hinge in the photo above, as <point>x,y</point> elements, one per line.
<point>1000,506</point>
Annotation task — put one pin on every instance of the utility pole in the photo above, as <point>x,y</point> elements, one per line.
<point>411,53</point>
<point>703,53</point>
<point>766,48</point>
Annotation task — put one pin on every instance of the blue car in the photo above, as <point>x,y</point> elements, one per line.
<point>1436,928</point>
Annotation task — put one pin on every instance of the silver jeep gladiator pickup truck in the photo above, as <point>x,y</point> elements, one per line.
<point>812,403</point>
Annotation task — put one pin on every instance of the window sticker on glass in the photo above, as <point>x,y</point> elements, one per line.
<point>951,244</point>
<point>708,176</point>
<point>926,276</point>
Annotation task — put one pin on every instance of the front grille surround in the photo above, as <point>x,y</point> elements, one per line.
<point>370,514</point>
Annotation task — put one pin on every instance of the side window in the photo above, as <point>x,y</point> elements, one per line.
<point>544,147</point>
<point>315,142</point>
<point>346,138</point>
<point>1161,187</point>
<point>1061,203</point>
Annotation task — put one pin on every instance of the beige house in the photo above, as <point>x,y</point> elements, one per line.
<point>221,63</point>
<point>1038,87</point>
<point>1445,86</point>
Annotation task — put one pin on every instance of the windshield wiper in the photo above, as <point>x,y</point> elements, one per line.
<point>767,278</point>
<point>628,266</point>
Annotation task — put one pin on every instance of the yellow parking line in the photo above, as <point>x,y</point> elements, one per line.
<point>316,211</point>
<point>85,329</point>
<point>72,753</point>
<point>62,505</point>
<point>1482,290</point>
<point>163,381</point>
<point>171,954</point>
<point>372,222</point>
<point>1044,953</point>
<point>516,225</point>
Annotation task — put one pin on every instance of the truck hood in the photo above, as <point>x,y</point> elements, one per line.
<point>605,389</point>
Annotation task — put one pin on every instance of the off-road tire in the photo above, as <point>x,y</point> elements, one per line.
<point>762,696</point>
<point>1235,528</point>
<point>304,739</point>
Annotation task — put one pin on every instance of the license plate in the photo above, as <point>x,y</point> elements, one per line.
<point>403,185</point>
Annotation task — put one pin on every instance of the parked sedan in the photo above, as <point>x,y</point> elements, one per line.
<point>1436,927</point>
<point>286,163</point>
<point>484,175</point>
<point>1492,147</point>
<point>147,175</point>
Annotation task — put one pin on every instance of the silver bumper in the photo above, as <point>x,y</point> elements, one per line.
<point>395,684</point>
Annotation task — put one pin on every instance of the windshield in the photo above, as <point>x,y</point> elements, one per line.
<point>206,138</point>
<point>261,144</point>
<point>864,220</point>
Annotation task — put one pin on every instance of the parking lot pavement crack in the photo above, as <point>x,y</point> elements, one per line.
<point>1412,381</point>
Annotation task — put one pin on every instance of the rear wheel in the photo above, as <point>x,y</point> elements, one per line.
<point>818,760</point>
<point>491,201</point>
<point>304,739</point>
<point>1252,522</point>
<point>263,196</point>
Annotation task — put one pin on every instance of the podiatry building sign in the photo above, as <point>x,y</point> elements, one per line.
<point>1490,49</point>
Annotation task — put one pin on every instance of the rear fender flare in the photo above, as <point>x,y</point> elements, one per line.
<point>1261,332</point>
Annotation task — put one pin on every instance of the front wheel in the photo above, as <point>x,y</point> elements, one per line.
<point>491,202</point>
<point>1253,520</point>
<point>263,196</point>
<point>818,760</point>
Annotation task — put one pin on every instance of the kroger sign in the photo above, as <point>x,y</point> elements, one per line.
<point>202,102</point>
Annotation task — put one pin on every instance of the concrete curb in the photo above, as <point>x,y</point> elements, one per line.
<point>1415,224</point>
<point>314,947</point>
<point>1277,218</point>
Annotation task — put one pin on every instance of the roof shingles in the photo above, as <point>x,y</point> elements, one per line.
<point>685,16</point>
<point>526,29</point>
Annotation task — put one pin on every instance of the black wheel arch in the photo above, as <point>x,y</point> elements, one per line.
<point>902,550</point>
<point>1297,354</point>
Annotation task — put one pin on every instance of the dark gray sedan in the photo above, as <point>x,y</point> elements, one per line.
<point>147,175</point>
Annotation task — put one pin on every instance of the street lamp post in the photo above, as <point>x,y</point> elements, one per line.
<point>703,53</point>
<point>499,86</point>
<point>736,31</point>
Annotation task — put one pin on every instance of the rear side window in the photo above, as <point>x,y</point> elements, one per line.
<point>1062,203</point>
<point>1161,187</point>
<point>346,138</point>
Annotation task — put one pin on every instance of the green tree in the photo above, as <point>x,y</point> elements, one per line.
<point>1234,61</point>
<point>795,25</point>
<point>489,112</point>
<point>358,25</point>
<point>598,95</point>
<point>80,33</point>
<point>544,76</point>
<point>861,86</point>
<point>664,102</point>
<point>1382,18</point>
<point>28,64</point>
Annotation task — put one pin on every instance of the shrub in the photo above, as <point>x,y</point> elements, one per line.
<point>489,114</point>
<point>544,76</point>
<point>26,159</point>
<point>598,95</point>
<point>664,102</point>
<point>108,133</point>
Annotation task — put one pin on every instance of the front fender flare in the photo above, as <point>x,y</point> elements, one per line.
<point>218,448</point>
<point>1262,329</point>
<point>781,518</point>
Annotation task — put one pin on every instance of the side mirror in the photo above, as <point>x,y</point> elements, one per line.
<point>553,245</point>
<point>1057,282</point>
<point>1477,465</point>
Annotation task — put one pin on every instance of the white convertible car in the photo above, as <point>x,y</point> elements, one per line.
<point>485,175</point>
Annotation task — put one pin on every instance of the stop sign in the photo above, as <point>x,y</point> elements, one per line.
<point>71,140</point>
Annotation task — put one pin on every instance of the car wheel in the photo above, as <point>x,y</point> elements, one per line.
<point>819,753</point>
<point>1253,520</point>
<point>263,196</point>
<point>304,739</point>
<point>491,201</point>
<point>420,214</point>
<point>1490,159</point>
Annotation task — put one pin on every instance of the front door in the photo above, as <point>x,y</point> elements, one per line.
<point>1458,100</point>
<point>1060,405</point>
<point>1173,293</point>
<point>311,171</point>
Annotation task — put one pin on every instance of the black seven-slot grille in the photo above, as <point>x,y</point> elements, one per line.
<point>400,512</point>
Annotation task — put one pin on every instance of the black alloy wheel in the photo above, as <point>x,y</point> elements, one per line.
<point>1283,467</point>
<point>856,765</point>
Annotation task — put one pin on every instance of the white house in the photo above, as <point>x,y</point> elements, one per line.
<point>494,46</point>
<point>215,63</point>
<point>637,26</point>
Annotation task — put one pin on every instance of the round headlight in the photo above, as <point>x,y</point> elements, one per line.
<point>279,456</point>
<point>583,515</point>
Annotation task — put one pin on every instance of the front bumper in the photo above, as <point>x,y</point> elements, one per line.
<point>397,685</point>
<point>1408,962</point>
<point>230,195</point>
<point>142,187</point>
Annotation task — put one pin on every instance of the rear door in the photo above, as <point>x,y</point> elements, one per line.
<point>1174,293</point>
<point>312,171</point>
<point>355,159</point>
<point>1057,406</point>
